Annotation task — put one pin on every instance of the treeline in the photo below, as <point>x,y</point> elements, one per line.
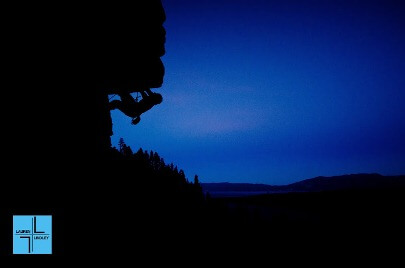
<point>163,196</point>
<point>157,181</point>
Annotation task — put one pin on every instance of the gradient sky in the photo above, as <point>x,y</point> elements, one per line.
<point>278,91</point>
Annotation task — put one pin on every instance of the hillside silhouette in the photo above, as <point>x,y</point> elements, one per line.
<point>318,184</point>
<point>154,180</point>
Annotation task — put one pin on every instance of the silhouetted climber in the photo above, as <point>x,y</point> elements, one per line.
<point>132,108</point>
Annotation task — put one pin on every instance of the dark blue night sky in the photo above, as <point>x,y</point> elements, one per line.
<point>278,91</point>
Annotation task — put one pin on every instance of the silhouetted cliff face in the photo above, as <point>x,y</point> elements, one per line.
<point>61,62</point>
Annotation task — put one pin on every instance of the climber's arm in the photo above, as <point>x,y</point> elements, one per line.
<point>149,91</point>
<point>143,94</point>
<point>127,98</point>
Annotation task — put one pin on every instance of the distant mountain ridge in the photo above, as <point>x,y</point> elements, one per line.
<point>317,184</point>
